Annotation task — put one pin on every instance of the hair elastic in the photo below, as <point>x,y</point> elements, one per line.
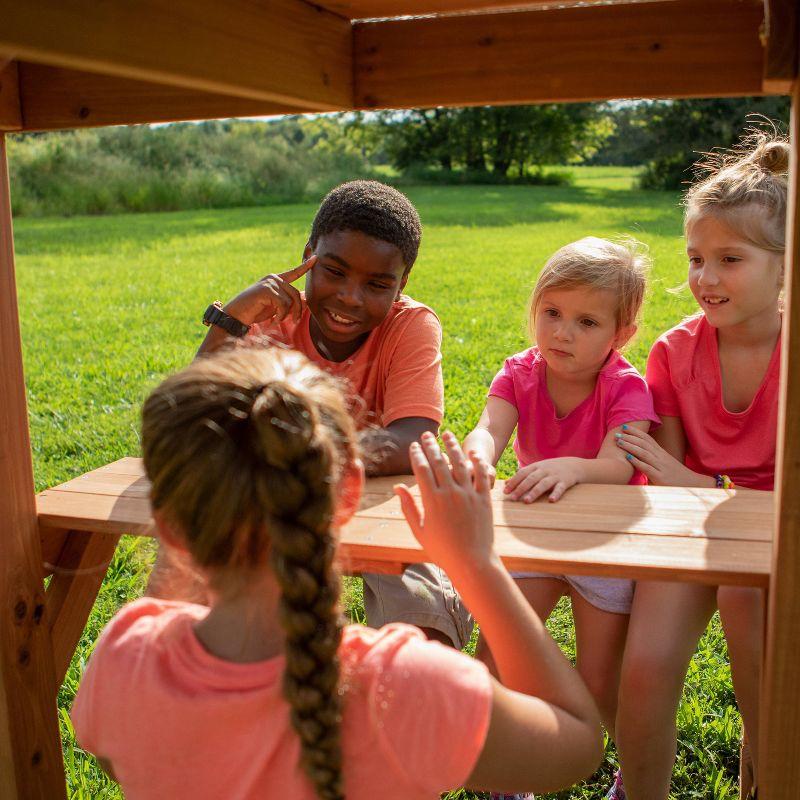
<point>724,482</point>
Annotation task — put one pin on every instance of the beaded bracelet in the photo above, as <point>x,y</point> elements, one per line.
<point>724,482</point>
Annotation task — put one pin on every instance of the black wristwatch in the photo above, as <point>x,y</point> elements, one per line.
<point>216,316</point>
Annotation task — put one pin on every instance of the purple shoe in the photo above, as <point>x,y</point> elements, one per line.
<point>617,790</point>
<point>525,796</point>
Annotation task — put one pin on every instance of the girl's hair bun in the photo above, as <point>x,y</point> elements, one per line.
<point>771,155</point>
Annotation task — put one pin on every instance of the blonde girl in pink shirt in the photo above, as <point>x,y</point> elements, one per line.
<point>567,397</point>
<point>252,459</point>
<point>714,380</point>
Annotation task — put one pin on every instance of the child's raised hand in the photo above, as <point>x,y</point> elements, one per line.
<point>272,298</point>
<point>455,523</point>
<point>554,475</point>
<point>649,457</point>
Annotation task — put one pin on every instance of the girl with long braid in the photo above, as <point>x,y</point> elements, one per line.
<point>253,465</point>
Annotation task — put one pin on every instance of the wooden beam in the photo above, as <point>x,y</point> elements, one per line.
<point>780,39</point>
<point>82,565</point>
<point>365,9</point>
<point>779,747</point>
<point>282,51</point>
<point>54,97</point>
<point>652,49</point>
<point>30,747</point>
<point>10,114</point>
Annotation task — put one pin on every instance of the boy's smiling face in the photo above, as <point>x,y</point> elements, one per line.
<point>351,289</point>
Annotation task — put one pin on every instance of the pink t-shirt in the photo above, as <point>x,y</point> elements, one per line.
<point>397,371</point>
<point>177,722</point>
<point>620,395</point>
<point>684,376</point>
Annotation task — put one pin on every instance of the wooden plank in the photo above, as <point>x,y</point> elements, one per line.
<point>80,570</point>
<point>708,535</point>
<point>640,50</point>
<point>779,746</point>
<point>30,748</point>
<point>53,98</point>
<point>284,51</point>
<point>10,113</point>
<point>780,39</point>
<point>639,557</point>
<point>661,510</point>
<point>366,9</point>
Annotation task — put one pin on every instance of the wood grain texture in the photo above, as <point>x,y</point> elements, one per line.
<point>79,571</point>
<point>363,9</point>
<point>30,747</point>
<point>706,535</point>
<point>10,112</point>
<point>641,50</point>
<point>284,51</point>
<point>780,39</point>
<point>780,729</point>
<point>54,97</point>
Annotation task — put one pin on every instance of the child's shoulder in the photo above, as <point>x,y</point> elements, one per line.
<point>405,309</point>
<point>146,620</point>
<point>686,333</point>
<point>620,373</point>
<point>526,360</point>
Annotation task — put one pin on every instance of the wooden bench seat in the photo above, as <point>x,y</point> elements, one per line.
<point>660,533</point>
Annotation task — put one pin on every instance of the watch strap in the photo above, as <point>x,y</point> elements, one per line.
<point>216,316</point>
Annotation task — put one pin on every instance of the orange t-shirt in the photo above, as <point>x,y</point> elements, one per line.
<point>396,373</point>
<point>177,722</point>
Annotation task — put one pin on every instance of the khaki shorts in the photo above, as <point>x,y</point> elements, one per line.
<point>421,596</point>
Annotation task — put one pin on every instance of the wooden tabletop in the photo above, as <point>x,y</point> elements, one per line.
<point>641,532</point>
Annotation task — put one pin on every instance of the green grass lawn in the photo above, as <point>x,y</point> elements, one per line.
<point>109,305</point>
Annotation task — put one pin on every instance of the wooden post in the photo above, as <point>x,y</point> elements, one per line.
<point>30,750</point>
<point>779,746</point>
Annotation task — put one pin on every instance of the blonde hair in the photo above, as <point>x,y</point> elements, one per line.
<point>754,173</point>
<point>244,451</point>
<point>620,267</point>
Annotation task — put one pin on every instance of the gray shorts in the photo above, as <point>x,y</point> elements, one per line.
<point>421,596</point>
<point>607,594</point>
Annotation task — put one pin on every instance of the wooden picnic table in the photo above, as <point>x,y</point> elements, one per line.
<point>642,532</point>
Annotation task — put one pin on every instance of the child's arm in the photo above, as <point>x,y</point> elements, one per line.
<point>661,455</point>
<point>386,449</point>
<point>271,298</point>
<point>544,732</point>
<point>491,435</point>
<point>556,475</point>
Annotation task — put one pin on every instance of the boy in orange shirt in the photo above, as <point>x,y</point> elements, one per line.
<point>354,322</point>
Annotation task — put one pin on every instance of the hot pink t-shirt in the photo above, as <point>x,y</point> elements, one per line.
<point>177,722</point>
<point>397,371</point>
<point>620,395</point>
<point>684,376</point>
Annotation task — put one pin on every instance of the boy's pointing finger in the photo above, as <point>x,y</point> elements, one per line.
<point>293,274</point>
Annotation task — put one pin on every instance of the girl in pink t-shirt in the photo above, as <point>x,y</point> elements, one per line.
<point>252,462</point>
<point>714,380</point>
<point>567,397</point>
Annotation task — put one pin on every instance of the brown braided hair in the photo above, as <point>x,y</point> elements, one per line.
<point>244,451</point>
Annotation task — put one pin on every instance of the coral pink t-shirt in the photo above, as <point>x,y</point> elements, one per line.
<point>684,376</point>
<point>177,722</point>
<point>620,395</point>
<point>396,373</point>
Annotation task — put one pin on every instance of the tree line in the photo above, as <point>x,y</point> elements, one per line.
<point>243,163</point>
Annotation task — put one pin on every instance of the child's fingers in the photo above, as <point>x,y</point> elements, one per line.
<point>558,491</point>
<point>527,483</point>
<point>642,466</point>
<point>542,486</point>
<point>439,467</point>
<point>458,461</point>
<point>480,472</point>
<point>634,449</point>
<point>422,471</point>
<point>409,507</point>
<point>293,274</point>
<point>296,301</point>
<point>636,433</point>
